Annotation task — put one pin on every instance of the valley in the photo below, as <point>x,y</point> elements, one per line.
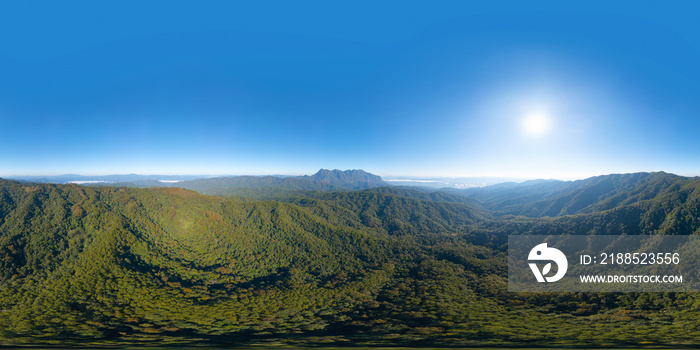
<point>336,265</point>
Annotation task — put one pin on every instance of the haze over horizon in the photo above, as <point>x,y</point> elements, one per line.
<point>507,89</point>
<point>431,182</point>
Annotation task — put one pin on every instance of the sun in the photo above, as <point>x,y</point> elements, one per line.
<point>536,124</point>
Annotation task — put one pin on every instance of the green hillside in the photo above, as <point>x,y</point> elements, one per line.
<point>557,198</point>
<point>115,265</point>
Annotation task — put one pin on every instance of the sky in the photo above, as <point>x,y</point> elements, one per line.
<point>521,89</point>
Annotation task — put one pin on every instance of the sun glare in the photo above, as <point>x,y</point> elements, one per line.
<point>536,124</point>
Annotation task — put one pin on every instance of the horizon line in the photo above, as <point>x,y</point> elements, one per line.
<point>392,177</point>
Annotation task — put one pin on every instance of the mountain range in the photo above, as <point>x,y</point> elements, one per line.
<point>336,258</point>
<point>323,180</point>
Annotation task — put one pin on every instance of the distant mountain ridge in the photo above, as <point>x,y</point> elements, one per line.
<point>541,198</point>
<point>107,179</point>
<point>323,180</point>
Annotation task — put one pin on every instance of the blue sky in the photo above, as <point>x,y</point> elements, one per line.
<point>395,88</point>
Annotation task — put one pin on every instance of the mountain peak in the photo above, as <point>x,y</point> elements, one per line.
<point>353,179</point>
<point>338,172</point>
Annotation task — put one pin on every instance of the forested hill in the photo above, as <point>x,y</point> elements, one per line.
<point>128,266</point>
<point>389,213</point>
<point>556,198</point>
<point>171,265</point>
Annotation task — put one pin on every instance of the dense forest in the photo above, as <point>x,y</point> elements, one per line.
<point>343,266</point>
